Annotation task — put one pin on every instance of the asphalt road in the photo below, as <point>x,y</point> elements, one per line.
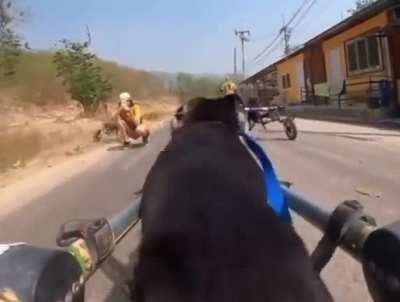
<point>329,163</point>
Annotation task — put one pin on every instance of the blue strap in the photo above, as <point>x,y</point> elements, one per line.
<point>276,197</point>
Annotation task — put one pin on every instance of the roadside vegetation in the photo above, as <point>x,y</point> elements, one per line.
<point>35,81</point>
<point>49,98</point>
<point>84,79</point>
<point>360,5</point>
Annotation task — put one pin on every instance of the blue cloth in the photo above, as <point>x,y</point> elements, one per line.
<point>276,197</point>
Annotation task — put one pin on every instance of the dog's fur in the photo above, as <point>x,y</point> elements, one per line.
<point>208,231</point>
<point>108,128</point>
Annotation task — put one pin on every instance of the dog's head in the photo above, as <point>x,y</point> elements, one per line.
<point>199,110</point>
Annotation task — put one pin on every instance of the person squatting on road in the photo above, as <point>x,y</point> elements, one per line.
<point>129,121</point>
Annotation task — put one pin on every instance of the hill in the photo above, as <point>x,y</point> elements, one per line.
<point>36,81</point>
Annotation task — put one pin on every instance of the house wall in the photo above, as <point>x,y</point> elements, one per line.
<point>394,40</point>
<point>263,87</point>
<point>295,67</point>
<point>314,64</point>
<point>336,57</point>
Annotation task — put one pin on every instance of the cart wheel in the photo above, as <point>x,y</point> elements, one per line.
<point>290,129</point>
<point>251,125</point>
<point>264,123</point>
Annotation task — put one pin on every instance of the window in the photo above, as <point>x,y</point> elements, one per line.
<point>363,55</point>
<point>373,52</point>
<point>397,13</point>
<point>352,55</point>
<point>286,81</point>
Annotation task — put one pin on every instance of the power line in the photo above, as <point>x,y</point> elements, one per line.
<point>270,52</point>
<point>267,54</point>
<point>324,10</point>
<point>305,13</point>
<point>264,37</point>
<point>284,30</point>
<point>297,12</point>
<point>268,47</point>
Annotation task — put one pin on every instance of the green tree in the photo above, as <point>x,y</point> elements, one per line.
<point>10,42</point>
<point>189,86</point>
<point>82,75</point>
<point>360,5</point>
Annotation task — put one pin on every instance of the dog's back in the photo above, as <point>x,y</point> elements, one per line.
<point>208,232</point>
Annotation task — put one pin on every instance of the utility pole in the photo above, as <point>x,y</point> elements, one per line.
<point>286,38</point>
<point>287,32</point>
<point>244,37</point>
<point>235,60</point>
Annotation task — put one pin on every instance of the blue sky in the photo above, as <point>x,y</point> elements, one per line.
<point>174,35</point>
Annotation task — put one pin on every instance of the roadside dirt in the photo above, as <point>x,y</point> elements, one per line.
<point>41,138</point>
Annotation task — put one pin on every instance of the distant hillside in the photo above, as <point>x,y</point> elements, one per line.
<point>171,77</point>
<point>36,81</point>
<point>192,85</point>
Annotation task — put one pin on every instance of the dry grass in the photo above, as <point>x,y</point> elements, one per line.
<point>21,145</point>
<point>155,112</point>
<point>36,82</point>
<point>18,147</point>
<point>45,138</point>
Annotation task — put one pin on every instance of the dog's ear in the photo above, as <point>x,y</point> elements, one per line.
<point>222,110</point>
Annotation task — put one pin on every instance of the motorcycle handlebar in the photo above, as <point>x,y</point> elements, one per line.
<point>263,108</point>
<point>124,221</point>
<point>358,236</point>
<point>347,227</point>
<point>315,215</point>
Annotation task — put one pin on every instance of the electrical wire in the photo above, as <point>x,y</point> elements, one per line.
<point>266,55</point>
<point>324,10</point>
<point>294,16</point>
<point>268,46</point>
<point>305,2</point>
<point>305,13</point>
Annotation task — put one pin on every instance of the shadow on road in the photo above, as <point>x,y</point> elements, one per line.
<point>121,276</point>
<point>269,139</point>
<point>350,133</point>
<point>122,148</point>
<point>359,136</point>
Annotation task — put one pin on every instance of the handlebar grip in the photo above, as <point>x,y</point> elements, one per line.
<point>32,274</point>
<point>381,261</point>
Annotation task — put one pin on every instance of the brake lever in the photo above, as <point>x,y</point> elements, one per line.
<point>89,241</point>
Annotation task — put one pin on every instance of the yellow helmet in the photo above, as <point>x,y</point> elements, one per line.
<point>229,88</point>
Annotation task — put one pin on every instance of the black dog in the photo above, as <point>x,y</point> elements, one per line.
<point>208,231</point>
